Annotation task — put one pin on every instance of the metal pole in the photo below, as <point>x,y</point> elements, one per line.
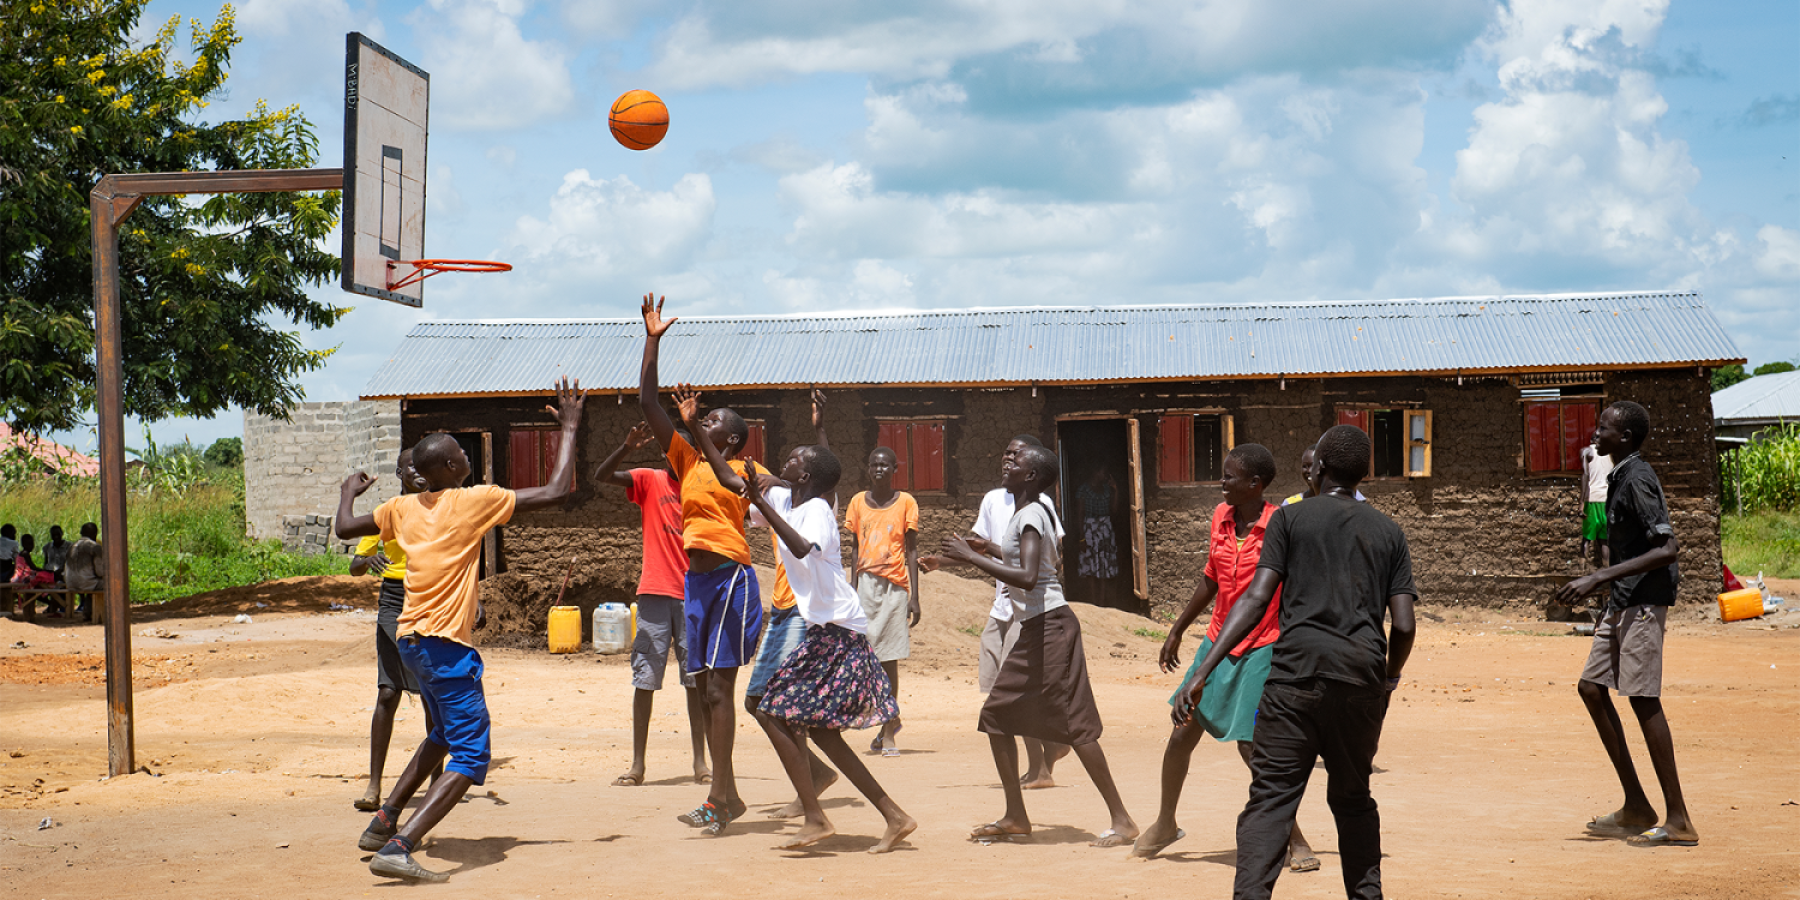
<point>109,368</point>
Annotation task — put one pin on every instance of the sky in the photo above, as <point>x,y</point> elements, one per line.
<point>841,154</point>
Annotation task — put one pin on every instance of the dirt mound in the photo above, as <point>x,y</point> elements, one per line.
<point>317,593</point>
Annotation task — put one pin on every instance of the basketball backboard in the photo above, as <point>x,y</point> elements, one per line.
<point>386,100</point>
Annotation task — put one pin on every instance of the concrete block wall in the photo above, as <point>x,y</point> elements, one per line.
<point>311,536</point>
<point>293,468</point>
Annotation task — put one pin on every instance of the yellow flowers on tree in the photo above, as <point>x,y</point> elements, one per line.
<point>200,283</point>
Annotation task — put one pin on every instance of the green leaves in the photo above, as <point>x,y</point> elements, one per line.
<point>205,282</point>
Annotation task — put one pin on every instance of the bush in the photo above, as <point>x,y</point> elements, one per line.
<point>1764,475</point>
<point>226,453</point>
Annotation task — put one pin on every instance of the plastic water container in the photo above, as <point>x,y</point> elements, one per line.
<point>565,629</point>
<point>612,625</point>
<point>1744,604</point>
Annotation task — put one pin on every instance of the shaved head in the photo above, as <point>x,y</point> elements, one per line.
<point>431,453</point>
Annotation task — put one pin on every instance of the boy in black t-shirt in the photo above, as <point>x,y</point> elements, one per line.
<point>1628,642</point>
<point>1342,567</point>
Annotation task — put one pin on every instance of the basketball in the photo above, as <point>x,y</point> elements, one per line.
<point>639,119</point>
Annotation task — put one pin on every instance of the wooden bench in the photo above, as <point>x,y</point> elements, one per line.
<point>28,612</point>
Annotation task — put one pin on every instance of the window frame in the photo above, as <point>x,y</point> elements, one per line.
<point>1526,404</point>
<point>1408,414</point>
<point>1227,440</point>
<point>905,471</point>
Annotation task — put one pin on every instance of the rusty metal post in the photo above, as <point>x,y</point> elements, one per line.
<point>103,206</point>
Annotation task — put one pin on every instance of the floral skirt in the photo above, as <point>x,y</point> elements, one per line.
<point>1099,550</point>
<point>832,680</point>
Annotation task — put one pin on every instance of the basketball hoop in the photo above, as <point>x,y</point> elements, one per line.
<point>425,268</point>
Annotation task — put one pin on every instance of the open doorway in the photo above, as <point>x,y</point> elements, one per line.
<point>1102,494</point>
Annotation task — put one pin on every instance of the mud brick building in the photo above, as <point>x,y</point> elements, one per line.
<point>1477,408</point>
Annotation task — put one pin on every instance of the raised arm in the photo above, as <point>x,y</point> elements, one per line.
<point>687,403</point>
<point>818,419</point>
<point>1244,615</point>
<point>348,524</point>
<point>1204,592</point>
<point>567,410</point>
<point>608,471</point>
<point>648,386</point>
<point>1023,576</point>
<point>790,537</point>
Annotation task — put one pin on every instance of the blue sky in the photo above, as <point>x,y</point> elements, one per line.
<point>839,155</point>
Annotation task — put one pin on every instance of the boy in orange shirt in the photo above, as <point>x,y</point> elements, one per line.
<point>722,603</point>
<point>884,542</point>
<point>441,532</point>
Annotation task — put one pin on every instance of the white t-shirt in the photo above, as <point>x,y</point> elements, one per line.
<point>1595,468</point>
<point>990,523</point>
<point>821,591</point>
<point>1048,594</point>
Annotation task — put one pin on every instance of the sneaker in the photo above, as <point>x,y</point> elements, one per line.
<point>376,835</point>
<point>401,865</point>
<point>700,816</point>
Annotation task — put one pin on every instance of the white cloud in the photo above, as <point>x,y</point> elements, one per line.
<point>598,230</point>
<point>485,73</point>
<point>1780,253</point>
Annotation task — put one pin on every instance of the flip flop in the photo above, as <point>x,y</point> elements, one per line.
<point>890,751</point>
<point>1304,864</point>
<point>1142,850</point>
<point>1610,824</point>
<point>1110,838</point>
<point>364,804</point>
<point>991,832</point>
<point>628,780</point>
<point>1660,837</point>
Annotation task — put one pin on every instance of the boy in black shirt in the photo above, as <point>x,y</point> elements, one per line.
<point>1628,642</point>
<point>1341,566</point>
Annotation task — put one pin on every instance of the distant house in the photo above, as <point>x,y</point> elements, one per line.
<point>53,458</point>
<point>1748,410</point>
<point>1477,407</point>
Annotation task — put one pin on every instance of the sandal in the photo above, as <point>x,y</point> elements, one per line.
<point>628,780</point>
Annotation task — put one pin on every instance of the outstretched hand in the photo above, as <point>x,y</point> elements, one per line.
<point>357,483</point>
<point>930,562</point>
<point>753,487</point>
<point>818,408</point>
<point>654,323</point>
<point>955,548</point>
<point>687,403</point>
<point>639,436</point>
<point>569,401</point>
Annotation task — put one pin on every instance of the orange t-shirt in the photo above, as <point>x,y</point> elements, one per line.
<point>783,595</point>
<point>881,534</point>
<point>712,516</point>
<point>441,533</point>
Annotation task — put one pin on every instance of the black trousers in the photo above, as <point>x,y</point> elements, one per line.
<point>1296,724</point>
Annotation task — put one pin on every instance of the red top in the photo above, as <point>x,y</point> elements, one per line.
<point>665,562</point>
<point>1232,567</point>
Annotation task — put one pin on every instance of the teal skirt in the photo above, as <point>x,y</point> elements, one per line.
<point>1228,705</point>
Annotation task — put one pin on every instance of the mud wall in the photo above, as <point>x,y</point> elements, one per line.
<point>1481,531</point>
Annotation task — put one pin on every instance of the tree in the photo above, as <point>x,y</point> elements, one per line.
<point>1726,376</point>
<point>200,282</point>
<point>1773,368</point>
<point>226,453</point>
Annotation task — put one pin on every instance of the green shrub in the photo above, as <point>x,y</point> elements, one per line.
<point>1764,475</point>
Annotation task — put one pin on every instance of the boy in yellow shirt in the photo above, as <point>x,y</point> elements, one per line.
<point>441,531</point>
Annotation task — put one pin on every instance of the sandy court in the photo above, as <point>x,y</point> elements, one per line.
<point>257,737</point>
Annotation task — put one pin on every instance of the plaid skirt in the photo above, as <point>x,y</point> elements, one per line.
<point>832,680</point>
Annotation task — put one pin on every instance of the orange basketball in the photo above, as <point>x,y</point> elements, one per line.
<point>639,119</point>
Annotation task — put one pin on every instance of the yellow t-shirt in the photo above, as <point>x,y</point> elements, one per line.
<point>783,595</point>
<point>712,517</point>
<point>396,556</point>
<point>881,534</point>
<point>441,533</point>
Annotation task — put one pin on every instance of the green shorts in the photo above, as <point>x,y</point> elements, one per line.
<point>1593,522</point>
<point>1233,691</point>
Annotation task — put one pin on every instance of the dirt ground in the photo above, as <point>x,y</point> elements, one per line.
<point>253,738</point>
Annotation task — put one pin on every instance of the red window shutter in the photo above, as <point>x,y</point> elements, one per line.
<point>1543,432</point>
<point>893,435</point>
<point>753,447</point>
<point>928,455</point>
<point>1175,464</point>
<point>1578,432</point>
<point>1357,417</point>
<point>549,442</point>
<point>522,460</point>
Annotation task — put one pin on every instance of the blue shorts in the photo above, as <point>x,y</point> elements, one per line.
<point>449,676</point>
<point>724,617</point>
<point>786,629</point>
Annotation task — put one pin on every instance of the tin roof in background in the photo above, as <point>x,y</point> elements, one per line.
<point>1000,346</point>
<point>1765,398</point>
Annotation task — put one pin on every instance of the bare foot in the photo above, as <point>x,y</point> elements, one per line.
<point>897,830</point>
<point>809,835</point>
<point>794,810</point>
<point>1035,782</point>
<point>629,779</point>
<point>1301,857</point>
<point>702,775</point>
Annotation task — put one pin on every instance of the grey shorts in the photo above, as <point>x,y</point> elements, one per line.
<point>661,627</point>
<point>997,639</point>
<point>1628,651</point>
<point>890,628</point>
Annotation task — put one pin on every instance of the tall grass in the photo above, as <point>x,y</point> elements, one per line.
<point>181,543</point>
<point>1767,542</point>
<point>1764,475</point>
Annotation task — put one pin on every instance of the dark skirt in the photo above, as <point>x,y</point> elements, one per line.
<point>390,672</point>
<point>832,680</point>
<point>1042,690</point>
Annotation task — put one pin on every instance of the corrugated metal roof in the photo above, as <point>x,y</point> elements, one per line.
<point>1763,398</point>
<point>1067,344</point>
